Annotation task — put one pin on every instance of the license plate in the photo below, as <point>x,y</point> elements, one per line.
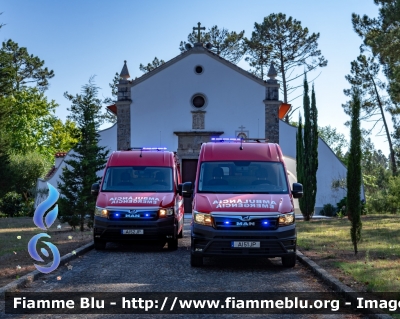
<point>132,232</point>
<point>245,244</point>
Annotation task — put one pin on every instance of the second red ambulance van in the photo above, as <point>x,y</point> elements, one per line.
<point>242,203</point>
<point>138,199</point>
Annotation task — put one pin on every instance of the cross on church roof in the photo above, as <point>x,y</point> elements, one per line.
<point>242,127</point>
<point>198,31</point>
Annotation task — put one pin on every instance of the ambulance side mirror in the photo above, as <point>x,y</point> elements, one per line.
<point>297,190</point>
<point>187,189</point>
<point>179,189</point>
<point>95,189</point>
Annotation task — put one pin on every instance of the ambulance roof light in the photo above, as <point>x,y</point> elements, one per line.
<point>147,149</point>
<point>238,139</point>
<point>225,139</point>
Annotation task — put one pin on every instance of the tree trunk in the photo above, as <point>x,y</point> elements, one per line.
<point>283,82</point>
<point>392,158</point>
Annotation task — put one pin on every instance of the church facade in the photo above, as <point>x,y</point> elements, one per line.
<point>197,96</point>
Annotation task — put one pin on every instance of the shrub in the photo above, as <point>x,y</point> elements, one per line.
<point>394,194</point>
<point>381,203</point>
<point>12,204</point>
<point>341,206</point>
<point>328,210</point>
<point>363,208</point>
<point>72,220</point>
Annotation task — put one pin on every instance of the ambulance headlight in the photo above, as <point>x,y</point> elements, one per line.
<point>101,212</point>
<point>286,219</point>
<point>203,219</point>
<point>165,212</point>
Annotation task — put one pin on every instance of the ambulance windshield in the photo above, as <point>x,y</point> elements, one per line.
<point>243,177</point>
<point>138,179</point>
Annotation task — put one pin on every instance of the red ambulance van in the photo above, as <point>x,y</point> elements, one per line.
<point>242,203</point>
<point>138,199</point>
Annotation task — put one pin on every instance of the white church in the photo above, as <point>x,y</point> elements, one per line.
<point>197,96</point>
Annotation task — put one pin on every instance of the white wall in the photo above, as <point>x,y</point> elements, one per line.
<point>162,103</point>
<point>329,166</point>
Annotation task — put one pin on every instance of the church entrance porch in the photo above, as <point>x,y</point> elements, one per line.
<point>189,144</point>
<point>189,167</point>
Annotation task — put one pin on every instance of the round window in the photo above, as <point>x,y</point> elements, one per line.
<point>198,69</point>
<point>198,101</point>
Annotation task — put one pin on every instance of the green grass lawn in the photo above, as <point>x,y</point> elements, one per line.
<point>15,233</point>
<point>11,229</point>
<point>377,264</point>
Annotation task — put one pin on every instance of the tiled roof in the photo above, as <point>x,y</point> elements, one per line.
<point>50,173</point>
<point>60,154</point>
<point>54,168</point>
<point>113,108</point>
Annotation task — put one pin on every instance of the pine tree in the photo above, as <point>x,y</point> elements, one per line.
<point>307,154</point>
<point>289,45</point>
<point>364,75</point>
<point>354,172</point>
<point>88,158</point>
<point>150,66</point>
<point>228,45</point>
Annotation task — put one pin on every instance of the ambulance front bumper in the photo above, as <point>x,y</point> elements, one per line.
<point>208,241</point>
<point>112,230</point>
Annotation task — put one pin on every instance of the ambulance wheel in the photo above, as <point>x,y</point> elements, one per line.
<point>289,261</point>
<point>180,235</point>
<point>99,244</point>
<point>196,261</point>
<point>173,244</point>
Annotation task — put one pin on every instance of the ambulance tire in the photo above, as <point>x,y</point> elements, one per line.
<point>289,261</point>
<point>173,244</point>
<point>180,235</point>
<point>99,244</point>
<point>196,261</point>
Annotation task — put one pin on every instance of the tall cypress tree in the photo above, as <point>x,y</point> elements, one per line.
<point>314,147</point>
<point>88,158</point>
<point>354,172</point>
<point>307,154</point>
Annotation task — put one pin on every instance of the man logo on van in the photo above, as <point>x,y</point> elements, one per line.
<point>245,224</point>
<point>132,215</point>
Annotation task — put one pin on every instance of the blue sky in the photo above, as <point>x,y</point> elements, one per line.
<point>79,39</point>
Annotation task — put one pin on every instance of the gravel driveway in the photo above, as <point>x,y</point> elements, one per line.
<point>123,268</point>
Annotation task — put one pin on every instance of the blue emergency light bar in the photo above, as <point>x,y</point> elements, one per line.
<point>226,139</point>
<point>148,149</point>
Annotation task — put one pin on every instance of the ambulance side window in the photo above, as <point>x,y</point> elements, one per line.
<point>201,178</point>
<point>107,179</point>
<point>176,178</point>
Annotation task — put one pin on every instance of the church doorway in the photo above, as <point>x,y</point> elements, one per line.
<point>189,167</point>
